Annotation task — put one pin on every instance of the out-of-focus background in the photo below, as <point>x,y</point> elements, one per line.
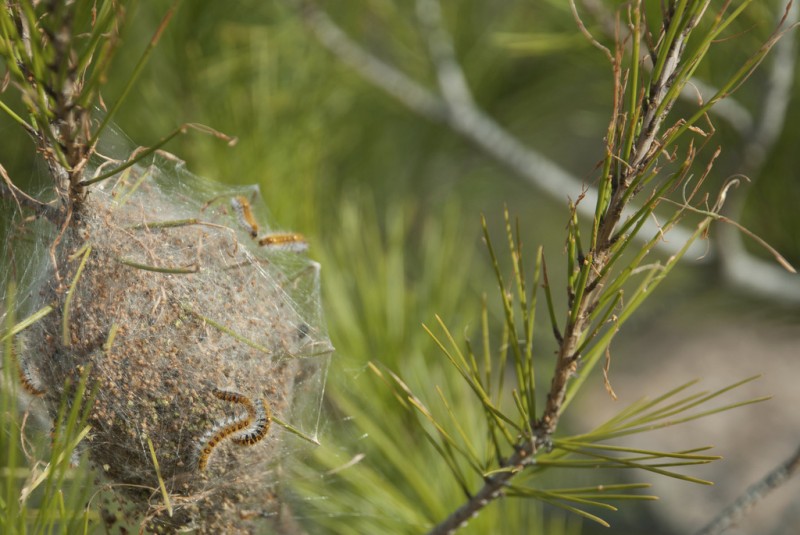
<point>391,200</point>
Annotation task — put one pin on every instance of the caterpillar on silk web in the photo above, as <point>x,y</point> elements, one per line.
<point>260,426</point>
<point>235,397</point>
<point>30,383</point>
<point>253,426</point>
<point>244,214</point>
<point>293,242</point>
<point>217,434</point>
<point>287,241</point>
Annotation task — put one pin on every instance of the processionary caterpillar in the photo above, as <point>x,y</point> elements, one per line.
<point>285,241</point>
<point>29,382</point>
<point>235,397</point>
<point>260,427</point>
<point>216,435</point>
<point>255,425</point>
<point>289,242</point>
<point>244,214</point>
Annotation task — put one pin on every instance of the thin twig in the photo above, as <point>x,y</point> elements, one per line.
<point>8,190</point>
<point>492,489</point>
<point>754,494</point>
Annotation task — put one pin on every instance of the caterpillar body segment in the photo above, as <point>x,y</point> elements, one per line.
<point>244,215</point>
<point>217,434</point>
<point>260,427</point>
<point>235,397</point>
<point>244,430</point>
<point>295,243</point>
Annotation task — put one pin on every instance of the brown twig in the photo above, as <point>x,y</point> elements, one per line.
<point>9,190</point>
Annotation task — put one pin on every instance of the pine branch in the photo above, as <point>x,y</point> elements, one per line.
<point>456,109</point>
<point>636,139</point>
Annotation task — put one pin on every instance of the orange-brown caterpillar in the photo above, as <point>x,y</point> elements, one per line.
<point>260,427</point>
<point>258,414</point>
<point>236,397</point>
<point>29,382</point>
<point>289,242</point>
<point>244,214</point>
<point>216,435</point>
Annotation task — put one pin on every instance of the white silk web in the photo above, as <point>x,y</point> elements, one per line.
<point>202,327</point>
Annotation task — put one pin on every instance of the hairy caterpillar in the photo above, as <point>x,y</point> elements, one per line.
<point>254,426</point>
<point>285,241</point>
<point>217,434</point>
<point>244,214</point>
<point>289,241</point>
<point>260,427</point>
<point>236,397</point>
<point>30,382</point>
